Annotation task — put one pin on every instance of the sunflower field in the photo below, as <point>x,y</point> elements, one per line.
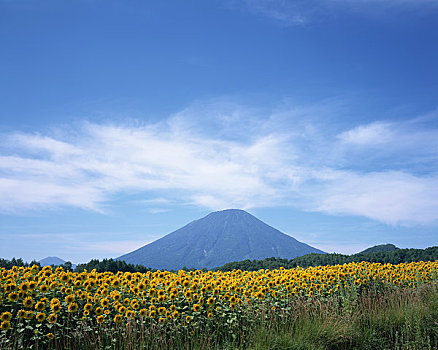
<point>43,308</point>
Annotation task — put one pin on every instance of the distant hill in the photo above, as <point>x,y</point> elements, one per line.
<point>216,239</point>
<point>380,248</point>
<point>53,260</point>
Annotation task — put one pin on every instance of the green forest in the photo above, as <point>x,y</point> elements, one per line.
<point>378,254</point>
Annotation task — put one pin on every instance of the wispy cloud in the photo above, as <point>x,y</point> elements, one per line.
<point>299,12</point>
<point>107,159</point>
<point>390,197</point>
<point>285,12</point>
<point>373,134</point>
<point>248,159</point>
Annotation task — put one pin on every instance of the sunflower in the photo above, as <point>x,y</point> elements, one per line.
<point>70,298</point>
<point>161,320</point>
<point>28,302</point>
<point>118,318</point>
<point>143,312</point>
<point>50,336</point>
<point>100,319</point>
<point>104,302</point>
<point>152,314</point>
<point>40,317</point>
<point>6,316</point>
<point>88,307</point>
<point>188,319</point>
<point>39,306</point>
<point>64,277</point>
<point>13,296</point>
<point>122,309</point>
<point>54,301</point>
<point>116,283</point>
<point>175,314</point>
<point>196,307</point>
<point>5,325</point>
<point>210,301</point>
<point>28,315</point>
<point>24,287</point>
<point>55,307</point>
<point>129,314</point>
<point>161,310</point>
<point>52,318</point>
<point>73,307</point>
<point>21,313</point>
<point>98,311</point>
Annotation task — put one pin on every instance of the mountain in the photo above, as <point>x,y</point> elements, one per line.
<point>218,238</point>
<point>379,248</point>
<point>53,260</point>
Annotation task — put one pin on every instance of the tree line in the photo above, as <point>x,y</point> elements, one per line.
<point>395,256</point>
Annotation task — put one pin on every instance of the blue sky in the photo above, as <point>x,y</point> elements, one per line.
<point>121,121</point>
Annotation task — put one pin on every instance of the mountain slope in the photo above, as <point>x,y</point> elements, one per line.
<point>216,239</point>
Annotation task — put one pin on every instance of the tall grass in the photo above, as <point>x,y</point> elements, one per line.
<point>389,318</point>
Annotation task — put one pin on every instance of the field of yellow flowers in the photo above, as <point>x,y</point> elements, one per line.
<point>46,308</point>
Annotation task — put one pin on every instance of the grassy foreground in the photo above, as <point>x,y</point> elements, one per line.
<point>351,306</point>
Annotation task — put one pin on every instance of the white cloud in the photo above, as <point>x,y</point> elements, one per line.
<point>403,144</point>
<point>107,159</point>
<point>285,159</point>
<point>371,134</point>
<point>390,197</point>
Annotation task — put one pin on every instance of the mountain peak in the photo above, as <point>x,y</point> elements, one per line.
<point>220,237</point>
<point>228,212</point>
